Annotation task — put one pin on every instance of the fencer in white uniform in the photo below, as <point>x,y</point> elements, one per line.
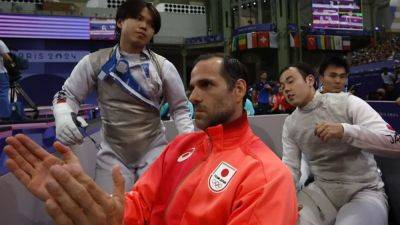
<point>338,133</point>
<point>131,82</point>
<point>333,75</point>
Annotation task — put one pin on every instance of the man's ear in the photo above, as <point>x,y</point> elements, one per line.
<point>119,24</point>
<point>240,89</point>
<point>310,80</point>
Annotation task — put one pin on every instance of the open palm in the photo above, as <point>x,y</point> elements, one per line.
<point>40,176</point>
<point>31,164</point>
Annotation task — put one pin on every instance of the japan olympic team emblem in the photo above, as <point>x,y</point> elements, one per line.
<point>220,177</point>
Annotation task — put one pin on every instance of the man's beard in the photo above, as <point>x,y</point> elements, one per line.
<point>220,117</point>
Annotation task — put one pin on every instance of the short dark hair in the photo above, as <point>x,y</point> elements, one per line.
<point>336,61</point>
<point>132,9</point>
<point>231,70</point>
<point>304,69</point>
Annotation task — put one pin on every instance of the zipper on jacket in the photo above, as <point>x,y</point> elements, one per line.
<point>208,153</point>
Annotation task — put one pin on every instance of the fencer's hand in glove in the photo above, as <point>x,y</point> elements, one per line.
<point>66,130</point>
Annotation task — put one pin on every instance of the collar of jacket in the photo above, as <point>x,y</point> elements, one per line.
<point>231,135</point>
<point>316,102</point>
<point>143,55</point>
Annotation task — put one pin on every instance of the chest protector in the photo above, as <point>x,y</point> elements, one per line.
<point>130,122</point>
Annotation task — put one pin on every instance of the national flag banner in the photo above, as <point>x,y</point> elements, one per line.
<point>291,40</point>
<point>338,43</point>
<point>327,42</point>
<point>234,46</point>
<point>323,42</point>
<point>311,42</point>
<point>242,42</point>
<point>318,39</point>
<point>254,39</point>
<point>346,43</point>
<point>251,40</point>
<point>332,39</point>
<point>273,39</point>
<point>263,39</point>
<point>294,40</point>
<point>297,41</point>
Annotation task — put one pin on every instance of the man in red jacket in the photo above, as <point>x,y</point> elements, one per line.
<point>223,174</point>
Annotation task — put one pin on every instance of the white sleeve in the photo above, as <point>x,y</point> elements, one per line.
<point>78,85</point>
<point>368,130</point>
<point>3,48</point>
<point>291,154</point>
<point>176,98</point>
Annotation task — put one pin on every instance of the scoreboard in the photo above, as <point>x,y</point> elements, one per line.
<point>337,14</point>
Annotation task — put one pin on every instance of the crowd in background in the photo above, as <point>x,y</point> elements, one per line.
<point>390,88</point>
<point>267,97</point>
<point>388,48</point>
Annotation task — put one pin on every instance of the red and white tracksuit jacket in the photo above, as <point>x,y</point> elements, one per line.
<point>225,175</point>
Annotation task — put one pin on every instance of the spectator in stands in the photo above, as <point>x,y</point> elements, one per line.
<point>378,95</point>
<point>389,81</point>
<point>280,104</point>
<point>398,101</point>
<point>338,133</point>
<point>333,74</point>
<point>390,92</point>
<point>263,89</point>
<point>248,106</point>
<point>5,107</point>
<point>388,77</point>
<point>252,95</point>
<point>381,94</point>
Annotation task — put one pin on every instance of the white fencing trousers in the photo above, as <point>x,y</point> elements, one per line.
<point>107,159</point>
<point>366,207</point>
